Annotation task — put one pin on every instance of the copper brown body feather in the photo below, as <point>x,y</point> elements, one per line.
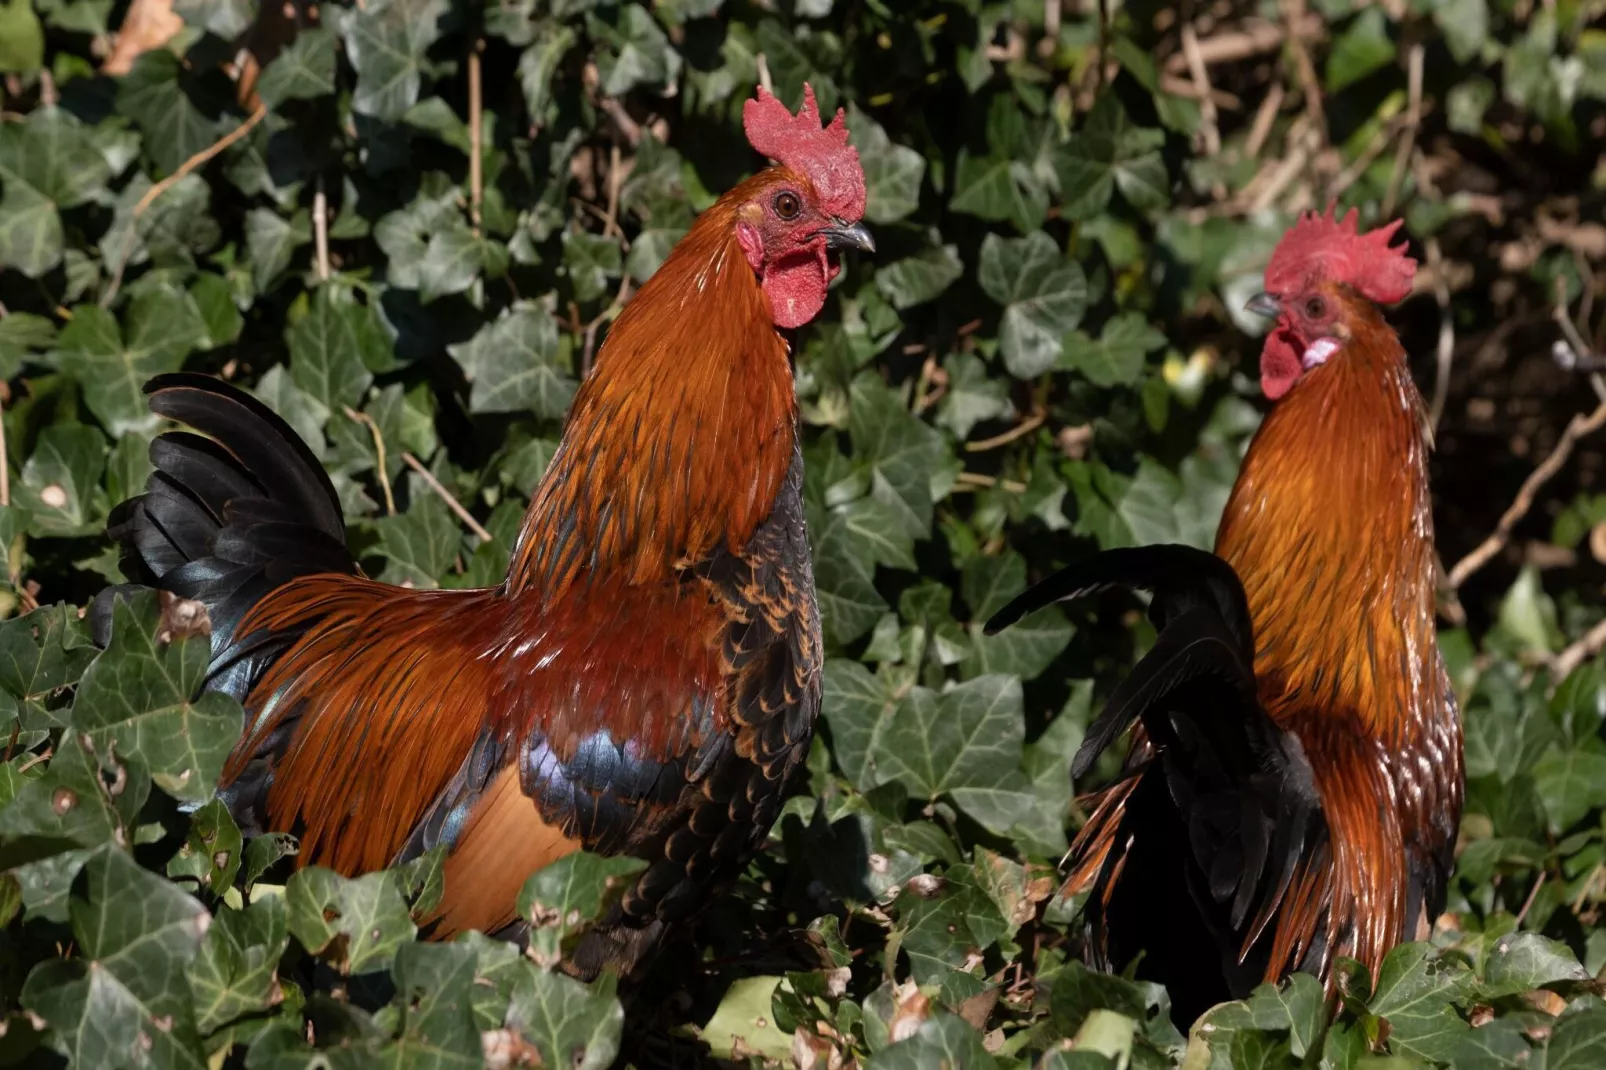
<point>1328,530</point>
<point>645,681</point>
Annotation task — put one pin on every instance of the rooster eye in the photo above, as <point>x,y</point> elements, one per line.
<point>787,205</point>
<point>1315,308</point>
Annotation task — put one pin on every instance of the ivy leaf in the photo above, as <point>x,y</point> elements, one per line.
<point>226,19</point>
<point>569,1024</point>
<point>47,162</point>
<point>858,707</point>
<point>743,1024</point>
<point>1361,49</point>
<point>632,50</point>
<point>327,347</point>
<point>271,242</point>
<point>235,973</point>
<point>305,70</point>
<point>539,62</point>
<point>914,280</point>
<point>40,654</point>
<point>999,189</point>
<point>892,173</point>
<point>845,582</point>
<point>419,544</point>
<point>127,992</point>
<point>452,261</point>
<point>1294,1008</point>
<point>386,42</point>
<point>211,854</point>
<point>897,446</point>
<point>1116,359</point>
<point>1416,992</point>
<point>434,1007</point>
<point>560,901</point>
<point>60,478</point>
<point>941,1040</point>
<point>1109,153</point>
<point>72,803</point>
<point>1043,294</point>
<point>1570,784</point>
<point>972,396</point>
<point>30,230</point>
<point>1465,25</point>
<point>175,128</point>
<point>22,40</point>
<point>369,912</point>
<point>590,260</point>
<point>22,337</point>
<point>163,325</point>
<point>1578,1041</point>
<point>1525,961</point>
<point>1024,649</point>
<point>136,696</point>
<point>966,743</point>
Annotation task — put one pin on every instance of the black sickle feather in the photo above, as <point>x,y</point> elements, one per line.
<point>228,515</point>
<point>1243,806</point>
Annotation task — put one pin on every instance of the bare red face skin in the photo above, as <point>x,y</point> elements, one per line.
<point>1305,336</point>
<point>782,237</point>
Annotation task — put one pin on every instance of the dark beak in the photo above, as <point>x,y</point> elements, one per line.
<point>840,236</point>
<point>1265,304</point>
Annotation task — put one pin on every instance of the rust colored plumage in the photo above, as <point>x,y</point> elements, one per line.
<point>646,678</point>
<point>1330,528</point>
<point>1293,790</point>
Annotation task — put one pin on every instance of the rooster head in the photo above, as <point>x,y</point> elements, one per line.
<point>1321,265</point>
<point>797,218</point>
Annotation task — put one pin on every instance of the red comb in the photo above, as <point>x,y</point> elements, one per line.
<point>801,143</point>
<point>1325,247</point>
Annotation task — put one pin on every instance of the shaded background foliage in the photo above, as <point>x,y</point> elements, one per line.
<point>407,224</point>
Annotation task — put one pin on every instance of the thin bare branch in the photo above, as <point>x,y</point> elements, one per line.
<point>167,183</point>
<point>1413,122</point>
<point>320,230</point>
<point>476,176</point>
<point>1260,130</point>
<point>446,496</point>
<point>1255,37</point>
<point>1209,128</point>
<point>1294,17</point>
<point>379,454</point>
<point>1591,643</point>
<point>1446,347</point>
<point>1576,428</point>
<point>976,480</point>
<point>1031,423</point>
<point>629,129</point>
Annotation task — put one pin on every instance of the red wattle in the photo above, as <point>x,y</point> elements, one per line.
<point>1279,364</point>
<point>795,285</point>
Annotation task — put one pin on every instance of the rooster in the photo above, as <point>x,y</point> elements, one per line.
<point>1294,786</point>
<point>645,680</point>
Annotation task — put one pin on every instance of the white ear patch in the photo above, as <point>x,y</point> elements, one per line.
<point>1318,352</point>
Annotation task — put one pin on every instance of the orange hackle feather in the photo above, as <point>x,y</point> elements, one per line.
<point>676,445</point>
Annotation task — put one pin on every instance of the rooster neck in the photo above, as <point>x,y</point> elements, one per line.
<point>679,439</point>
<point>1330,527</point>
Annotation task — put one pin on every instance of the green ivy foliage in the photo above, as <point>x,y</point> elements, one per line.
<point>409,242</point>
